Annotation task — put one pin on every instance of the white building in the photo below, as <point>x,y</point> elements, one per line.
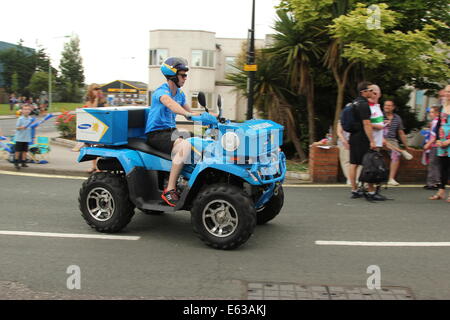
<point>209,58</point>
<point>420,103</point>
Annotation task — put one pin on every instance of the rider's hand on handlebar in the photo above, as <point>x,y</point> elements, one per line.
<point>189,115</point>
<point>209,117</point>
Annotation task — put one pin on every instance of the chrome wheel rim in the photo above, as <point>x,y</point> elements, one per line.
<point>220,218</point>
<point>100,204</point>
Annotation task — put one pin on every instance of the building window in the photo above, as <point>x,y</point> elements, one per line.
<point>196,105</point>
<point>158,56</point>
<point>202,58</point>
<point>230,65</point>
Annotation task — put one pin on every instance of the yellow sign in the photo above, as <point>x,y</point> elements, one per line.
<point>121,90</point>
<point>250,67</point>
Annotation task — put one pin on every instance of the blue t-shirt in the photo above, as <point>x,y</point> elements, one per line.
<point>160,117</point>
<point>23,135</point>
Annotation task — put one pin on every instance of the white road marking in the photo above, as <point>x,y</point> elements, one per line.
<point>306,185</point>
<point>68,235</point>
<point>341,186</point>
<point>40,175</point>
<point>382,244</point>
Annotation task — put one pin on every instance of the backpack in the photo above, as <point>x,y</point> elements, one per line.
<point>348,119</point>
<point>374,169</point>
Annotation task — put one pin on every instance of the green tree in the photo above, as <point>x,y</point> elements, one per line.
<point>19,64</point>
<point>421,57</point>
<point>19,60</point>
<point>415,14</point>
<point>71,80</point>
<point>271,96</point>
<point>357,42</point>
<point>14,83</point>
<point>39,83</point>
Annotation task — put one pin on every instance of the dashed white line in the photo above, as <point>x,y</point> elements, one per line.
<point>68,235</point>
<point>341,186</point>
<point>382,244</point>
<point>40,175</point>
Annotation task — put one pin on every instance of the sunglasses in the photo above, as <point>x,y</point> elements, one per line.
<point>184,76</point>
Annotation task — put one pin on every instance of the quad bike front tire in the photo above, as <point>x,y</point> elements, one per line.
<point>104,202</point>
<point>223,216</point>
<point>272,208</point>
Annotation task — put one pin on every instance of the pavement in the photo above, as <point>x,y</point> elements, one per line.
<point>61,160</point>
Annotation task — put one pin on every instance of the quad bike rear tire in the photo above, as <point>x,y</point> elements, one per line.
<point>104,202</point>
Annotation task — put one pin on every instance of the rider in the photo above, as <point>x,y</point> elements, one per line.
<point>168,101</point>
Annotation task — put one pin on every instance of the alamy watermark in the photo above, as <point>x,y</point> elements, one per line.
<point>74,280</point>
<point>373,22</point>
<point>374,281</point>
<point>237,146</point>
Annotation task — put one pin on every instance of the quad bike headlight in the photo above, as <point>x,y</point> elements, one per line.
<point>230,141</point>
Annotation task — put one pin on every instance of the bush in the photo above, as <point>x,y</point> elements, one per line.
<point>66,124</point>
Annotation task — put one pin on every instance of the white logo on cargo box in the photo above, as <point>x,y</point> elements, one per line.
<point>89,127</point>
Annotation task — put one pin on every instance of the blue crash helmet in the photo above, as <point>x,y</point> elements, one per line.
<point>172,66</point>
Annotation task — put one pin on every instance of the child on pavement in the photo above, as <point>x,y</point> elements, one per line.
<point>22,137</point>
<point>430,152</point>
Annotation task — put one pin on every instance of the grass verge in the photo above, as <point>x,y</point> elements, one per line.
<point>292,165</point>
<point>56,107</point>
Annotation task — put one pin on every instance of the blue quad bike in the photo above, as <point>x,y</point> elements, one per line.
<point>232,182</point>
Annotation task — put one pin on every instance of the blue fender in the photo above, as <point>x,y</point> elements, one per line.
<point>128,158</point>
<point>237,170</point>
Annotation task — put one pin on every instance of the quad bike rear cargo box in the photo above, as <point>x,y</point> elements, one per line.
<point>111,125</point>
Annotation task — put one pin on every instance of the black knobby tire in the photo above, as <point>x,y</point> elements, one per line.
<point>271,209</point>
<point>238,204</point>
<point>113,187</point>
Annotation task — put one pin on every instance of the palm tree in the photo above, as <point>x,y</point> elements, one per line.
<point>300,50</point>
<point>339,66</point>
<point>271,95</point>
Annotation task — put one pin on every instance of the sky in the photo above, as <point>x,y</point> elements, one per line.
<point>114,35</point>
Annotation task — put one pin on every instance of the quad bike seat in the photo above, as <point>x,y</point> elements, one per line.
<point>141,145</point>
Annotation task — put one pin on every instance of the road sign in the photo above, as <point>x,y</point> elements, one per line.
<point>250,67</point>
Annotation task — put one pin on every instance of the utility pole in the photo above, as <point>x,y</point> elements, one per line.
<point>251,66</point>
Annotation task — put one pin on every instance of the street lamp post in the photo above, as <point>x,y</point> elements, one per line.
<point>251,62</point>
<point>49,83</point>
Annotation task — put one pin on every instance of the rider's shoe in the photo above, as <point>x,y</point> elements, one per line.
<point>171,197</point>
